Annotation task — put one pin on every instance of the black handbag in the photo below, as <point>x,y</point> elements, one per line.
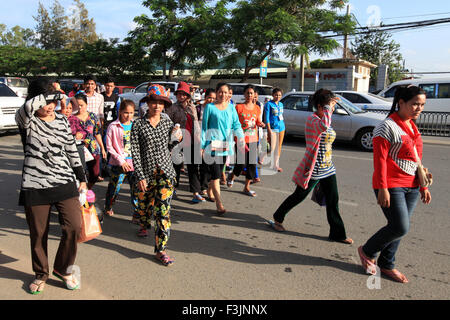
<point>318,196</point>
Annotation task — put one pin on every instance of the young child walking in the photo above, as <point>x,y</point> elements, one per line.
<point>118,144</point>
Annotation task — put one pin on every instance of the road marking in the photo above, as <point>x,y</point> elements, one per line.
<point>334,154</point>
<point>347,203</point>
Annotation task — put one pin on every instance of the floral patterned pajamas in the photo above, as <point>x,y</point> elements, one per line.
<point>156,202</point>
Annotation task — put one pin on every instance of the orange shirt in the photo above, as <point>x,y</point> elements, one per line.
<point>249,120</point>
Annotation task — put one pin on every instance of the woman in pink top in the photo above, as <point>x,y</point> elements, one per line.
<point>118,145</point>
<point>317,167</point>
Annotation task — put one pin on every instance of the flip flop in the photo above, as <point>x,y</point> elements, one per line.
<point>69,286</point>
<point>275,226</point>
<point>369,266</point>
<point>250,193</point>
<point>165,260</point>
<point>395,275</point>
<point>39,286</point>
<point>108,213</point>
<point>221,212</point>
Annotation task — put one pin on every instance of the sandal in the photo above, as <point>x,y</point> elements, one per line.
<point>71,283</point>
<point>276,226</point>
<point>229,182</point>
<point>395,275</point>
<point>250,193</point>
<point>256,180</point>
<point>142,233</point>
<point>279,169</point>
<point>37,286</point>
<point>221,212</point>
<point>368,264</point>
<point>109,213</point>
<point>164,259</point>
<point>135,220</point>
<point>198,198</point>
<point>345,241</point>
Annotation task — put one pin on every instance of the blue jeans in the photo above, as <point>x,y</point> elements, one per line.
<point>387,239</point>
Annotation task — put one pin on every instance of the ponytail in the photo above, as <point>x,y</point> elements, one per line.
<point>405,94</point>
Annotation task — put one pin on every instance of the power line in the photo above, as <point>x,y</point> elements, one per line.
<point>418,15</point>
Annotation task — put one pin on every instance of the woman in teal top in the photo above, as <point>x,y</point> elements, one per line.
<point>273,117</point>
<point>219,125</point>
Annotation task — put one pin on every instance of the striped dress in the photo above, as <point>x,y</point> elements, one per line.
<point>52,163</point>
<point>313,132</point>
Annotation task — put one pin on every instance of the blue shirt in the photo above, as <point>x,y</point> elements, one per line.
<point>274,116</point>
<point>220,125</point>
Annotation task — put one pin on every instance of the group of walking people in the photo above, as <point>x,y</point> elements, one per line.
<point>150,152</point>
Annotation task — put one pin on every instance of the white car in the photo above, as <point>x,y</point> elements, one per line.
<point>18,85</point>
<point>264,92</point>
<point>349,121</point>
<point>9,104</point>
<point>366,101</point>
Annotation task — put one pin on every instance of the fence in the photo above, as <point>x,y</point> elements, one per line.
<point>430,123</point>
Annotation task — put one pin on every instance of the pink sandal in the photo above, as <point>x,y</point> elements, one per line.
<point>369,265</point>
<point>164,259</point>
<point>395,275</point>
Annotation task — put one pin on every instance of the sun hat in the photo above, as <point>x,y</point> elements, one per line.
<point>158,93</point>
<point>183,87</point>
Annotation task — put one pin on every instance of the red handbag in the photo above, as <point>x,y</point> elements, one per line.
<point>90,225</point>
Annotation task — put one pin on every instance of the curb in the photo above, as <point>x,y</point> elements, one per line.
<point>436,142</point>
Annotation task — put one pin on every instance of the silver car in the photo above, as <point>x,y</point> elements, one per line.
<point>350,122</point>
<point>9,104</point>
<point>141,91</point>
<point>366,101</point>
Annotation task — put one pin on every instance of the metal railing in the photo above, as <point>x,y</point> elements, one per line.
<point>430,123</point>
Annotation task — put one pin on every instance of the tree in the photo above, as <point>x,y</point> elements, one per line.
<point>43,28</point>
<point>181,32</point>
<point>259,27</point>
<point>16,37</point>
<point>378,47</point>
<point>81,29</point>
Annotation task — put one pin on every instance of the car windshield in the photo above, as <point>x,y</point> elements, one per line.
<point>265,91</point>
<point>17,82</point>
<point>6,92</point>
<point>349,106</point>
<point>378,97</point>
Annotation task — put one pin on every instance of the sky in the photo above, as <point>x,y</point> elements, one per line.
<point>424,50</point>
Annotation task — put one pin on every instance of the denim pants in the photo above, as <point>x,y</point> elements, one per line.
<point>387,239</point>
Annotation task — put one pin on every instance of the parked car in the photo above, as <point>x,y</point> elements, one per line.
<point>141,91</point>
<point>123,89</point>
<point>264,92</point>
<point>366,101</point>
<point>9,104</point>
<point>437,90</point>
<point>18,85</point>
<point>349,121</point>
<point>67,84</point>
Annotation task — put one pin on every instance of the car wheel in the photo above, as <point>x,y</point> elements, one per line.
<point>364,139</point>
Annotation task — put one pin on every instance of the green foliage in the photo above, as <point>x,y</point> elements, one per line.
<point>181,32</point>
<point>16,36</point>
<point>378,48</point>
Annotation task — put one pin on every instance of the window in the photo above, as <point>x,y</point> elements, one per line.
<point>17,82</point>
<point>237,89</point>
<point>444,90</point>
<point>264,91</point>
<point>354,98</point>
<point>296,103</point>
<point>142,88</point>
<point>391,92</point>
<point>430,90</point>
<point>6,92</point>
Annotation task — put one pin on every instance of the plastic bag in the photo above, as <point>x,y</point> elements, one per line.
<point>318,196</point>
<point>90,225</point>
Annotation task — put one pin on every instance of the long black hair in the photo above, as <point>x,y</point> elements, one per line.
<point>405,94</point>
<point>38,87</point>
<point>321,98</point>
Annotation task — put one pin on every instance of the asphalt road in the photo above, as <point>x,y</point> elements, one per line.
<point>238,256</point>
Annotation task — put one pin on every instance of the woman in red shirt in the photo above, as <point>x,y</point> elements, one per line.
<point>395,181</point>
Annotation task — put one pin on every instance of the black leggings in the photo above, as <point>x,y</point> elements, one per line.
<point>250,162</point>
<point>329,186</point>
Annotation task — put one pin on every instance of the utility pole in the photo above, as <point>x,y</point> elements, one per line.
<point>346,37</point>
<point>302,73</point>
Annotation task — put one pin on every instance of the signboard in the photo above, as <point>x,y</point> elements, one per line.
<point>263,68</point>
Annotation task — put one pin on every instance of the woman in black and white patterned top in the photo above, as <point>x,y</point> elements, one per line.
<point>155,175</point>
<point>51,167</point>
